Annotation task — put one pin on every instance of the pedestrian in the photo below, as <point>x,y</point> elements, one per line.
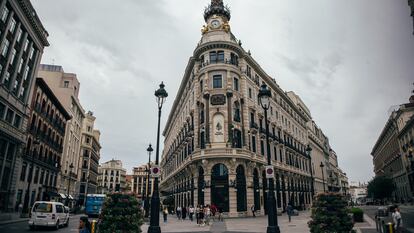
<point>183,213</point>
<point>202,215</point>
<point>289,211</point>
<point>165,213</point>
<point>220,217</point>
<point>191,212</point>
<point>84,225</point>
<point>198,214</point>
<point>253,209</point>
<point>207,214</point>
<point>179,212</point>
<point>397,219</point>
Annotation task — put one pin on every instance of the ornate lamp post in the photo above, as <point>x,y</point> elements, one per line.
<point>323,177</point>
<point>149,150</point>
<point>26,209</point>
<point>308,152</point>
<point>154,227</point>
<point>264,98</point>
<point>67,193</point>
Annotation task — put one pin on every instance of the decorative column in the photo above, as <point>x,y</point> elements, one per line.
<point>232,191</point>
<point>229,118</point>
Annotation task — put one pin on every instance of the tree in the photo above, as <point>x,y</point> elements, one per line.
<point>330,214</point>
<point>381,187</point>
<point>121,213</point>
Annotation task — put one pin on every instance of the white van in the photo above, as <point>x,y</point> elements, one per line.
<point>49,214</point>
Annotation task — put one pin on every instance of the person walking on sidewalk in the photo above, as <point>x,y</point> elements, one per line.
<point>165,214</point>
<point>84,225</point>
<point>191,212</point>
<point>396,217</point>
<point>179,212</point>
<point>289,211</point>
<point>183,213</point>
<point>253,209</point>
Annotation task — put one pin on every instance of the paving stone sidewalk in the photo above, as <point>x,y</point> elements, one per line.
<point>236,225</point>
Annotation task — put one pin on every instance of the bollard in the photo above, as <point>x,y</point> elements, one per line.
<point>388,228</point>
<point>93,226</point>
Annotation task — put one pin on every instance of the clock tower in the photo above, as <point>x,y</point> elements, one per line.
<point>217,16</point>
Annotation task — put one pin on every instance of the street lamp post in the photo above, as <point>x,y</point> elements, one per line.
<point>308,152</point>
<point>149,150</point>
<point>154,227</point>
<point>86,190</point>
<point>26,209</point>
<point>264,98</point>
<point>323,177</point>
<point>67,193</point>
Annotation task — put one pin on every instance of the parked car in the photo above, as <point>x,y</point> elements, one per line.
<point>48,214</point>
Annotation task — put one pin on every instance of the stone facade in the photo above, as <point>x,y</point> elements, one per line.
<point>215,147</point>
<point>111,177</point>
<point>22,39</point>
<point>66,87</point>
<point>89,160</point>
<point>43,153</point>
<point>392,153</point>
<point>140,186</point>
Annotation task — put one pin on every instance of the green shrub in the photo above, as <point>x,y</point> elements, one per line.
<point>121,213</point>
<point>330,214</point>
<point>358,214</point>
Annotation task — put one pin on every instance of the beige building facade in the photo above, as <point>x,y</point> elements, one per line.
<point>112,177</point>
<point>215,147</point>
<point>140,184</point>
<point>89,158</point>
<point>66,87</point>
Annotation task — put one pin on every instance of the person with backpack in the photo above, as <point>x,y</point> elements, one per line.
<point>289,211</point>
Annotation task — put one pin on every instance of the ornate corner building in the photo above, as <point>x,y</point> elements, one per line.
<point>214,148</point>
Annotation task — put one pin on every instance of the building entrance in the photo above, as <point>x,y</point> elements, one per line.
<point>220,187</point>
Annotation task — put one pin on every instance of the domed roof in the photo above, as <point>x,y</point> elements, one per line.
<point>216,7</point>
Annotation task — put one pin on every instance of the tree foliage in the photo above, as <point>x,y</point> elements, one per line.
<point>121,213</point>
<point>381,187</point>
<point>330,214</point>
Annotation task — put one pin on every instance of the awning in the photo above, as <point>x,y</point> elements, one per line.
<point>62,195</point>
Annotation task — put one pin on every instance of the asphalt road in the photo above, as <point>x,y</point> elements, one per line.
<point>24,227</point>
<point>407,213</point>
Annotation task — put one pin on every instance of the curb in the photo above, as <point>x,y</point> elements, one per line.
<point>13,221</point>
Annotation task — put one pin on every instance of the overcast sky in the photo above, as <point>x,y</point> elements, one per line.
<point>349,61</point>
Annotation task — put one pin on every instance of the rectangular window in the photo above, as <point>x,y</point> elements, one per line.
<point>26,45</point>
<point>9,116</point>
<point>213,57</point>
<point>254,144</point>
<point>19,35</point>
<point>4,14</point>
<point>23,173</point>
<point>2,110</point>
<point>5,48</point>
<point>17,121</point>
<point>13,56</point>
<point>20,65</point>
<point>12,25</point>
<point>6,78</point>
<point>234,59</point>
<point>250,93</point>
<point>31,53</point>
<point>21,92</point>
<point>220,56</point>
<point>26,73</point>
<point>236,84</point>
<point>262,148</point>
<point>66,84</point>
<point>217,81</point>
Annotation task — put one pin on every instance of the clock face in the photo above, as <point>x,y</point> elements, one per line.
<point>215,23</point>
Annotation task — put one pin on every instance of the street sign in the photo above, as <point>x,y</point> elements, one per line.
<point>155,171</point>
<point>270,173</point>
